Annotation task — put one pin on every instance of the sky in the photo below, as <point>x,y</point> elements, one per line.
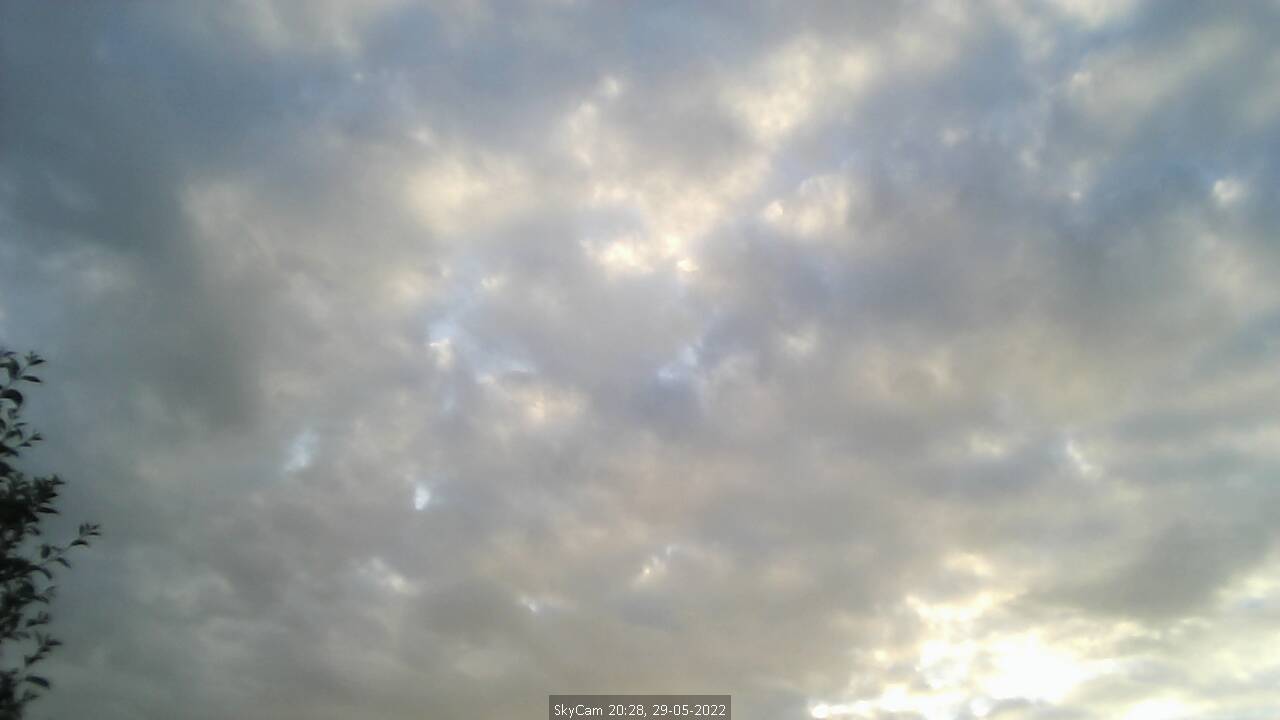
<point>865,360</point>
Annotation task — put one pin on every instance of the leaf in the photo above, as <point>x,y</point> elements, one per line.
<point>33,378</point>
<point>36,679</point>
<point>8,363</point>
<point>11,395</point>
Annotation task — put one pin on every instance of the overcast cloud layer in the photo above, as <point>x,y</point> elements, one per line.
<point>867,360</point>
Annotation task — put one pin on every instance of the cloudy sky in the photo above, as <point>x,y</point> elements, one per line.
<point>862,360</point>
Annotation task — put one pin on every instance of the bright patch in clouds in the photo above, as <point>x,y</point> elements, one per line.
<point>302,451</point>
<point>421,497</point>
<point>1159,709</point>
<point>1228,191</point>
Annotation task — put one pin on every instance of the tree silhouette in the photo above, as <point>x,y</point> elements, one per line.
<point>26,562</point>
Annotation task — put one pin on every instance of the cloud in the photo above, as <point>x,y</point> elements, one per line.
<point>894,361</point>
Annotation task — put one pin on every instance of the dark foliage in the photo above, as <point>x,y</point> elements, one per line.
<point>26,561</point>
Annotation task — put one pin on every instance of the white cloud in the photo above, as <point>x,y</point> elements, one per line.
<point>452,194</point>
<point>1228,191</point>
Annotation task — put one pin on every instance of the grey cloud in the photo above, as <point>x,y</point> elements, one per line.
<point>772,349</point>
